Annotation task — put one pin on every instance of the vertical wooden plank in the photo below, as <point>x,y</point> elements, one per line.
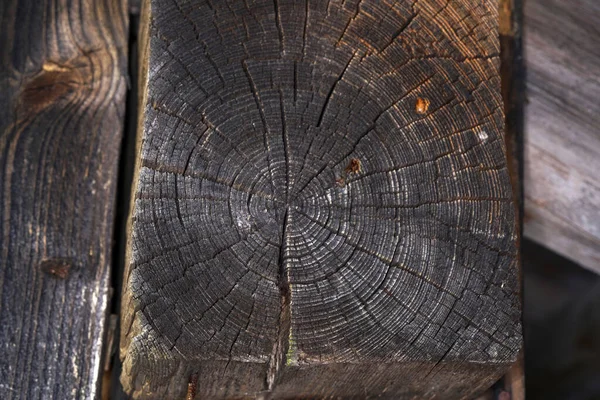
<point>562,145</point>
<point>63,83</point>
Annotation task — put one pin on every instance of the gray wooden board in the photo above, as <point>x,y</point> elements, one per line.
<point>322,202</point>
<point>562,142</point>
<point>62,85</point>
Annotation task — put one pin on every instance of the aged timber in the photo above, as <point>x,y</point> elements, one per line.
<point>562,142</point>
<point>322,203</point>
<point>62,91</point>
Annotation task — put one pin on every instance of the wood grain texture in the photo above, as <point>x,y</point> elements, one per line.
<point>304,226</point>
<point>562,147</point>
<point>63,82</point>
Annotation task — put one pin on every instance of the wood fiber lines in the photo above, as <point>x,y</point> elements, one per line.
<point>303,224</point>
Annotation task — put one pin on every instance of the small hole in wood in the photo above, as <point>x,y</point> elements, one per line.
<point>422,105</point>
<point>56,267</point>
<point>353,166</point>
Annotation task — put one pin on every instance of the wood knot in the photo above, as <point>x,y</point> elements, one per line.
<point>422,105</point>
<point>52,83</point>
<point>56,267</point>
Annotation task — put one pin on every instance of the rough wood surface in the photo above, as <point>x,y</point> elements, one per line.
<point>62,85</point>
<point>322,202</point>
<point>562,147</point>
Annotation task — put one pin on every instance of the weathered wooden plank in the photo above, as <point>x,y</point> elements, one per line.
<point>322,203</point>
<point>63,82</point>
<point>562,144</point>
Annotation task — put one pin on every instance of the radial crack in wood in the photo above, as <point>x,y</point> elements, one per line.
<point>301,228</point>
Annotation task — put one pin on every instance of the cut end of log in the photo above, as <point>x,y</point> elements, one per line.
<point>298,229</point>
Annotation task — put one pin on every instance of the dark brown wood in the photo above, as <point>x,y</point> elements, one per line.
<point>62,84</point>
<point>512,72</point>
<point>304,225</point>
<point>562,145</point>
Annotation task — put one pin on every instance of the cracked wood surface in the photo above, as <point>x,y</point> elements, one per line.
<point>322,202</point>
<point>62,84</point>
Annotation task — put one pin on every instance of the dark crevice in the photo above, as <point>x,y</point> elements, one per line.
<point>278,24</point>
<point>398,32</point>
<point>283,278</point>
<point>123,199</point>
<point>261,110</point>
<point>281,346</point>
<point>513,75</point>
<point>332,90</point>
<point>286,146</point>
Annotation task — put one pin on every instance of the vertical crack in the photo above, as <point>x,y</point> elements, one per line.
<point>286,150</point>
<point>123,203</point>
<point>278,24</point>
<point>284,331</point>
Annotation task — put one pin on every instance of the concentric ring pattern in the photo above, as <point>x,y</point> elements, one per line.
<point>293,202</point>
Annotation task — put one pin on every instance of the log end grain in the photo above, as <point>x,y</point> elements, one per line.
<point>303,225</point>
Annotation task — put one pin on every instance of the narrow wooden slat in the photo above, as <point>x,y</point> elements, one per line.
<point>562,146</point>
<point>63,83</point>
<point>512,71</point>
<point>511,386</point>
<point>322,205</point>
